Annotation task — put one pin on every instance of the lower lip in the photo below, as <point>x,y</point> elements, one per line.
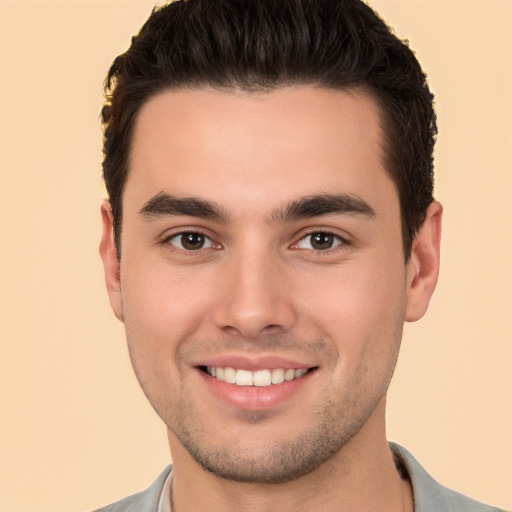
<point>255,398</point>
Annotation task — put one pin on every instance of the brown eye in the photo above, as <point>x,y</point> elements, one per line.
<point>320,241</point>
<point>190,241</point>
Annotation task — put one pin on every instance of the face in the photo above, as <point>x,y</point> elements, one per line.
<point>262,281</point>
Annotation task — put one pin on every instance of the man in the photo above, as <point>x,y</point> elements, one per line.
<point>269,229</point>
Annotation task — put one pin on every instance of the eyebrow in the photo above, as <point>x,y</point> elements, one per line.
<point>323,204</point>
<point>164,204</point>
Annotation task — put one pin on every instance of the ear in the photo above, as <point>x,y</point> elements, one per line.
<point>423,265</point>
<point>108,253</point>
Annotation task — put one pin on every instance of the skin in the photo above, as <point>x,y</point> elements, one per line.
<point>258,293</point>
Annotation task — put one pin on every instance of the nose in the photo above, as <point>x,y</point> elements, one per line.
<point>255,298</point>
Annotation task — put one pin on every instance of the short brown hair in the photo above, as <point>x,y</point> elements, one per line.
<point>257,45</point>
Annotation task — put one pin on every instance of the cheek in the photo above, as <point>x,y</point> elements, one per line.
<point>359,294</point>
<point>166,304</point>
<point>361,309</point>
<point>160,310</point>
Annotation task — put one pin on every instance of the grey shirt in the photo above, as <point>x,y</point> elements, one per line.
<point>429,496</point>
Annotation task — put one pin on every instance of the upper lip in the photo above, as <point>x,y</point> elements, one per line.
<point>253,362</point>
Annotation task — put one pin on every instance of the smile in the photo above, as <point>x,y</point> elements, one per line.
<point>260,378</point>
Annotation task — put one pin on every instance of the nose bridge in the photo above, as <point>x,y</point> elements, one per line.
<point>255,297</point>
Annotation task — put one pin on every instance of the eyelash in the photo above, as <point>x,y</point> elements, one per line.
<point>168,241</point>
<point>339,242</point>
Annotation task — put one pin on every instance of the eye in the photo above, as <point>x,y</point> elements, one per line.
<point>190,241</point>
<point>320,241</point>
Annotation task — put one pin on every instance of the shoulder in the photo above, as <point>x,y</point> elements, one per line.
<point>430,495</point>
<point>145,501</point>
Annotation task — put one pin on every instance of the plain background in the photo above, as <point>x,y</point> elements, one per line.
<point>76,431</point>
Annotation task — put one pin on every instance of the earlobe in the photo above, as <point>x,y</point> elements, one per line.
<point>423,265</point>
<point>108,253</point>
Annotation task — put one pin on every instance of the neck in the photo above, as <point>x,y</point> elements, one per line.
<point>362,476</point>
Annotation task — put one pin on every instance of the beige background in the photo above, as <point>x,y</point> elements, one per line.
<point>76,431</point>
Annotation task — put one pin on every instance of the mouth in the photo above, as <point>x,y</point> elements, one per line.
<point>258,378</point>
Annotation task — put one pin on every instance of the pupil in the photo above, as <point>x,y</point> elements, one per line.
<point>192,241</point>
<point>322,241</point>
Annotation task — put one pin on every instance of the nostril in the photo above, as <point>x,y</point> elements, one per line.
<point>232,331</point>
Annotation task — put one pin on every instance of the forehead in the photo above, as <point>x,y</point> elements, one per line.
<point>256,149</point>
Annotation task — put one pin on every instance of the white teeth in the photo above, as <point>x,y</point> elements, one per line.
<point>277,376</point>
<point>230,375</point>
<point>259,378</point>
<point>289,375</point>
<point>262,378</point>
<point>244,378</point>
